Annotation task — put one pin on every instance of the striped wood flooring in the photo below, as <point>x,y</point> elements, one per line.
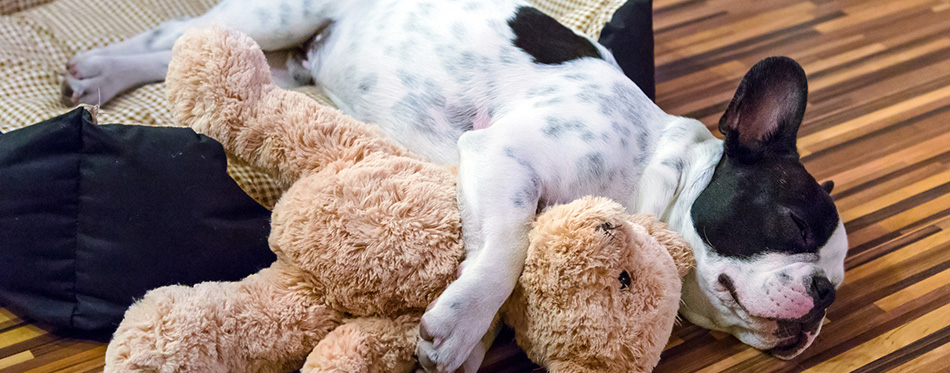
<point>878,124</point>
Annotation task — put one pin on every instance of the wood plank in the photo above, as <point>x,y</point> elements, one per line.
<point>863,125</point>
<point>914,291</point>
<point>886,343</point>
<point>20,334</point>
<point>15,359</point>
<point>863,14</point>
<point>934,361</point>
<point>879,203</point>
<point>82,359</point>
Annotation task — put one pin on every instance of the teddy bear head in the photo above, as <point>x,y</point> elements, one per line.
<point>600,289</point>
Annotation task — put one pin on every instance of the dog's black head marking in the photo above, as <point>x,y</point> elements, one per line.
<point>761,198</point>
<point>548,41</point>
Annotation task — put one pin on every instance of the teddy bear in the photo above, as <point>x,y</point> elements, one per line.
<point>367,235</point>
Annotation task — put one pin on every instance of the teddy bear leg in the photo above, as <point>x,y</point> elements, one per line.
<point>219,83</point>
<point>367,345</point>
<point>258,324</point>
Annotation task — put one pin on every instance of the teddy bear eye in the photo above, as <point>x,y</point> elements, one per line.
<point>624,280</point>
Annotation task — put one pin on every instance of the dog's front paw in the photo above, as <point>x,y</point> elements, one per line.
<point>453,326</point>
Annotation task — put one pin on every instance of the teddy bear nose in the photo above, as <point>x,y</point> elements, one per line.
<point>822,291</point>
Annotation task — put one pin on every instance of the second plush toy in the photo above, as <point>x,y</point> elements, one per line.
<point>367,235</point>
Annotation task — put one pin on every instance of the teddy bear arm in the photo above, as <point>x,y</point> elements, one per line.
<point>256,324</point>
<point>367,345</point>
<point>219,84</point>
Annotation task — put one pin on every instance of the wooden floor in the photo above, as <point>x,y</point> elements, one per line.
<point>878,124</point>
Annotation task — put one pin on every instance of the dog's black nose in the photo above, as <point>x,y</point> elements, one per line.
<point>822,291</point>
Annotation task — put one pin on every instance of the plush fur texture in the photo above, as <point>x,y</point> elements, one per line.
<point>569,310</point>
<point>367,235</point>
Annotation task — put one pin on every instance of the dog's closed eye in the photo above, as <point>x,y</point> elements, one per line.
<point>802,227</point>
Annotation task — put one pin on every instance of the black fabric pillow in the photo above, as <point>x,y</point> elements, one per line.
<point>91,217</point>
<point>629,36</point>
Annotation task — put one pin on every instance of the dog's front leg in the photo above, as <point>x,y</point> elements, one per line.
<point>498,198</point>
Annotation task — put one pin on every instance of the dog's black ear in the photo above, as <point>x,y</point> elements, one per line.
<point>764,115</point>
<point>828,186</point>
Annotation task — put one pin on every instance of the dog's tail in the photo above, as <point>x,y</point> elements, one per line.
<point>219,83</point>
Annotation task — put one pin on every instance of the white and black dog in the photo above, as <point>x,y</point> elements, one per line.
<point>534,115</point>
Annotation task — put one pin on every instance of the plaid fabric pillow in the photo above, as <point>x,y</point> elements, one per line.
<point>13,6</point>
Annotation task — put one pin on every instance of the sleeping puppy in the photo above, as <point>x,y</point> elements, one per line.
<point>534,114</point>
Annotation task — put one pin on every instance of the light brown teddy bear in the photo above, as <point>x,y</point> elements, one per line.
<point>367,235</point>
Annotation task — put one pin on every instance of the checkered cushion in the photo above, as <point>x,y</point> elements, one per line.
<point>37,37</point>
<point>585,16</point>
<point>13,6</point>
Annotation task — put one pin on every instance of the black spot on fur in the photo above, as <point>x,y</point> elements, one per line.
<point>677,164</point>
<point>415,106</point>
<point>593,164</point>
<point>548,41</point>
<point>577,76</point>
<point>549,102</point>
<point>152,37</point>
<point>556,127</point>
<point>368,83</point>
<point>285,14</point>
<point>461,116</point>
<point>263,15</point>
<point>541,90</point>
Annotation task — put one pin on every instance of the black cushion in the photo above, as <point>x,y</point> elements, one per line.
<point>629,36</point>
<point>91,217</point>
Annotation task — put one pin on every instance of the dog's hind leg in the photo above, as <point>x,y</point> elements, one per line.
<point>95,76</point>
<point>274,25</point>
<point>106,76</point>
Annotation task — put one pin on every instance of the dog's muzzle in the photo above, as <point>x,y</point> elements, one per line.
<point>796,334</point>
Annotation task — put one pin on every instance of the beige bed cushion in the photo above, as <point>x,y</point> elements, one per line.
<point>37,37</point>
<point>13,6</point>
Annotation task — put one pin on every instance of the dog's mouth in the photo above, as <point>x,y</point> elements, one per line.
<point>794,334</point>
<point>726,282</point>
<point>791,347</point>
